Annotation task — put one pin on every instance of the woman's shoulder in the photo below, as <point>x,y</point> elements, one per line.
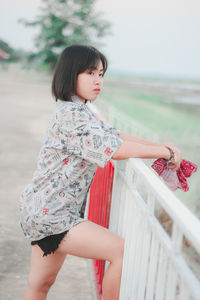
<point>72,111</point>
<point>68,106</point>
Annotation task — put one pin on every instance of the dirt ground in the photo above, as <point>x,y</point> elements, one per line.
<point>26,106</point>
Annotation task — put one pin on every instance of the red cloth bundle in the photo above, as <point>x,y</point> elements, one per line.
<point>175,179</point>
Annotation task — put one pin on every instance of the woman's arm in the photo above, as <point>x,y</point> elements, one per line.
<point>132,138</point>
<point>130,149</point>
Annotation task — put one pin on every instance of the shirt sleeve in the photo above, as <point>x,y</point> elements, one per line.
<point>89,138</point>
<point>111,129</point>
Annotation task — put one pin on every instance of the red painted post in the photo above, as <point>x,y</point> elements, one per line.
<point>99,211</point>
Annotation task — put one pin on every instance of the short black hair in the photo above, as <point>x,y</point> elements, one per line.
<point>74,60</point>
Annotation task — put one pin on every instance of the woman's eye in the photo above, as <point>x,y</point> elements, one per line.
<point>92,73</point>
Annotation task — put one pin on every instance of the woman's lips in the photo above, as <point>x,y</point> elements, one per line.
<point>97,90</point>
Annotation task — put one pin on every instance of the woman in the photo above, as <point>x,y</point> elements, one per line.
<point>52,205</point>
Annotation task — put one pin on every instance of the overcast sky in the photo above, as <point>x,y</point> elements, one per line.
<point>149,36</point>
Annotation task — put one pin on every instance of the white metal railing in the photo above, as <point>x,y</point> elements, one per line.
<point>154,265</point>
<point>157,265</point>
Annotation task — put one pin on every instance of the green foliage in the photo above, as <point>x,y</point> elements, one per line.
<point>5,47</point>
<point>65,22</point>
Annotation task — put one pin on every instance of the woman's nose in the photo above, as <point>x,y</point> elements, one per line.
<point>98,80</point>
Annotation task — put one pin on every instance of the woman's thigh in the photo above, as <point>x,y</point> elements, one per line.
<point>93,241</point>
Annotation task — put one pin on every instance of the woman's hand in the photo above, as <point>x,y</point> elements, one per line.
<point>175,163</point>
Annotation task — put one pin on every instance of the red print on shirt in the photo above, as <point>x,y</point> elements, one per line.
<point>65,161</point>
<point>108,151</point>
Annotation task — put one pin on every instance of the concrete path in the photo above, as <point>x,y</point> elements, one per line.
<point>25,107</point>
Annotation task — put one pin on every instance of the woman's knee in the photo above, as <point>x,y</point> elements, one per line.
<point>118,254</point>
<point>41,283</point>
<point>43,270</point>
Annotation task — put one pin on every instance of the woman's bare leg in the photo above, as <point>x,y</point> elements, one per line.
<point>43,272</point>
<point>93,241</point>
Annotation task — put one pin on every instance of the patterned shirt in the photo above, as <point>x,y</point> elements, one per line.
<point>76,144</point>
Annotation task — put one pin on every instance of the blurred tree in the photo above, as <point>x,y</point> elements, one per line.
<point>66,22</point>
<point>5,47</point>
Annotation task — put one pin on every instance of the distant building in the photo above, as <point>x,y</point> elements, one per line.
<point>3,55</point>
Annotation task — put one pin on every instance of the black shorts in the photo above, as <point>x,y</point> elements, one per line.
<point>50,243</point>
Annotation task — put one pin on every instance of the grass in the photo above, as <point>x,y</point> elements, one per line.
<point>154,113</point>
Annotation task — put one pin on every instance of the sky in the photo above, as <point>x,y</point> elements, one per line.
<point>148,36</point>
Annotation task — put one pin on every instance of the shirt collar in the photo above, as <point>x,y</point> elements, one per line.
<point>76,99</point>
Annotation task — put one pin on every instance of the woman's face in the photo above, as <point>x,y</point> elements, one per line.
<point>89,83</point>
